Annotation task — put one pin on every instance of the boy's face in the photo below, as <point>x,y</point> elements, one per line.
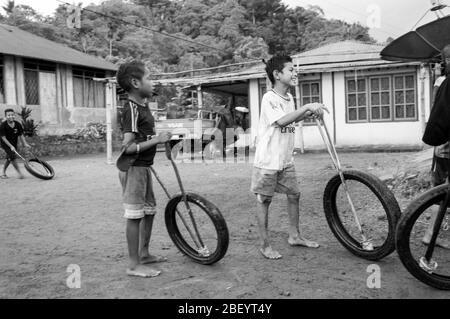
<point>288,75</point>
<point>10,116</point>
<point>144,86</point>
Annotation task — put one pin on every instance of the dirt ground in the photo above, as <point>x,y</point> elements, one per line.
<point>77,219</point>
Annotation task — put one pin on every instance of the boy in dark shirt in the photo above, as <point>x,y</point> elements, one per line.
<point>138,126</point>
<point>10,132</point>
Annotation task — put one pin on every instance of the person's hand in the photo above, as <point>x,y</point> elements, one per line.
<point>164,137</point>
<point>317,109</point>
<point>13,149</point>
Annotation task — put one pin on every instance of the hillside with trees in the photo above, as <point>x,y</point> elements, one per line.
<point>237,30</point>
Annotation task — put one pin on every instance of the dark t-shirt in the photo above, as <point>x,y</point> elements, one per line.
<point>139,120</point>
<point>11,133</point>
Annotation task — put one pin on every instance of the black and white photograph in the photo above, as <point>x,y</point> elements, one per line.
<point>224,155</point>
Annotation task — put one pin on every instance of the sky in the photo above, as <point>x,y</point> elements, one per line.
<point>386,18</point>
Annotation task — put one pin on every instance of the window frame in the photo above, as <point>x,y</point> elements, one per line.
<point>89,74</point>
<point>390,119</point>
<point>300,98</point>
<point>392,105</point>
<point>347,114</point>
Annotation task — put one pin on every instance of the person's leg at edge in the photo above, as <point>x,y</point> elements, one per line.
<point>146,227</point>
<point>295,238</point>
<point>262,216</point>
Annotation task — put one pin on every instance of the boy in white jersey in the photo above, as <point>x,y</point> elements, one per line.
<point>274,169</point>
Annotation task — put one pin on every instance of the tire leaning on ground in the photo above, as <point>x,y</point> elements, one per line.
<point>217,219</point>
<point>404,228</point>
<point>48,168</point>
<point>386,198</point>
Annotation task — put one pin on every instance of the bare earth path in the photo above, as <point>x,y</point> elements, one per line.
<point>77,219</point>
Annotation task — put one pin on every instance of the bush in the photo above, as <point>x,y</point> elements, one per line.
<point>29,128</point>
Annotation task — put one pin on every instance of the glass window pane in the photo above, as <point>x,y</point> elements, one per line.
<point>352,100</point>
<point>78,92</point>
<point>385,98</point>
<point>306,100</point>
<point>386,112</point>
<point>410,111</point>
<point>31,87</point>
<point>306,90</point>
<point>361,100</point>
<point>385,85</point>
<point>351,86</point>
<point>316,99</point>
<point>375,99</point>
<point>410,96</point>
<point>375,84</point>
<point>315,89</point>
<point>352,114</point>
<point>409,82</point>
<point>399,82</point>
<point>362,113</point>
<point>399,111</point>
<point>376,113</point>
<point>399,97</point>
<point>361,85</point>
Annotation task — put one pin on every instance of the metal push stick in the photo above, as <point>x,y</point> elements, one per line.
<point>202,249</point>
<point>366,243</point>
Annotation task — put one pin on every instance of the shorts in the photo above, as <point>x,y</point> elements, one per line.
<point>10,155</point>
<point>440,171</point>
<point>267,182</point>
<point>137,192</point>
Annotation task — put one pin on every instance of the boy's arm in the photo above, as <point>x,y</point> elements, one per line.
<point>302,113</point>
<point>143,146</point>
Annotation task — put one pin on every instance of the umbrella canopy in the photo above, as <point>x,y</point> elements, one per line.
<point>423,44</point>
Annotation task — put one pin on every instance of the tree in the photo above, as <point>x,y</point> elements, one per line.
<point>9,7</point>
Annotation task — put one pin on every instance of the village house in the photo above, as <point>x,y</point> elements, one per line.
<point>53,80</point>
<point>374,104</point>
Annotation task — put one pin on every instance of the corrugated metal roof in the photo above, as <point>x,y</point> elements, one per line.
<point>15,41</point>
<point>339,56</point>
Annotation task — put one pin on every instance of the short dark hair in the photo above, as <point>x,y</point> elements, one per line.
<point>9,110</point>
<point>128,71</point>
<point>446,52</point>
<point>276,63</point>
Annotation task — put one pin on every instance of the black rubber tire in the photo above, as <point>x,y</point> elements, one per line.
<point>386,198</point>
<point>402,239</point>
<point>36,174</point>
<point>215,216</point>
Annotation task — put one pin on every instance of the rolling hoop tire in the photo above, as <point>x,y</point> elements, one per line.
<point>390,215</point>
<point>39,169</point>
<point>405,230</point>
<point>204,213</point>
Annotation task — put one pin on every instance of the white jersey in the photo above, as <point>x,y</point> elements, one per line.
<point>275,144</point>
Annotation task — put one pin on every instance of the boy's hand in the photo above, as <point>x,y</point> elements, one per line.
<point>164,137</point>
<point>317,109</point>
<point>13,149</point>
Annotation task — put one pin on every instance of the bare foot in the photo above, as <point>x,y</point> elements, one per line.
<point>269,253</point>
<point>298,241</point>
<point>4,176</point>
<point>143,271</point>
<point>150,259</point>
<point>439,243</point>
